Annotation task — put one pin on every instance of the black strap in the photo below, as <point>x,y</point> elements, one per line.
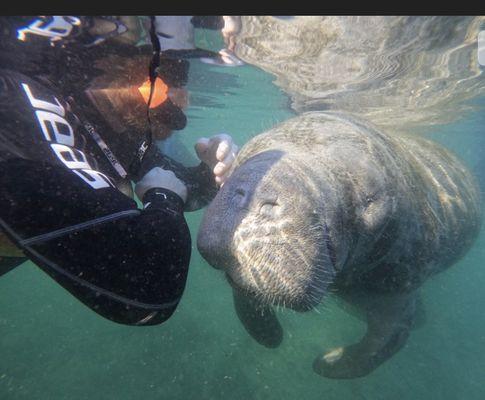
<point>152,72</point>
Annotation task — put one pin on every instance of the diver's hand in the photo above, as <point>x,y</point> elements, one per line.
<point>218,152</point>
<point>161,178</point>
<point>227,56</point>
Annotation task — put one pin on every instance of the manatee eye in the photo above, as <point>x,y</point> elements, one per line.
<point>267,208</point>
<point>371,198</point>
<point>240,198</point>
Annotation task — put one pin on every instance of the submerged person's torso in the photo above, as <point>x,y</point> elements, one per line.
<point>93,66</point>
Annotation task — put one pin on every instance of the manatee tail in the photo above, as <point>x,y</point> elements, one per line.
<point>259,321</point>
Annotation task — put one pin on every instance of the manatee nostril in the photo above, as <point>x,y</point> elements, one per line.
<point>268,208</point>
<point>241,198</point>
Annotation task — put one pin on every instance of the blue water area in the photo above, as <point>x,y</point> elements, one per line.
<point>53,347</point>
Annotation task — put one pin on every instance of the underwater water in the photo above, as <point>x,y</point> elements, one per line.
<point>53,347</point>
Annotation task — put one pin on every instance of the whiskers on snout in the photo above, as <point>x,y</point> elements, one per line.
<point>282,264</point>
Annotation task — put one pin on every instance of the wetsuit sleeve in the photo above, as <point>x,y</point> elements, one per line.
<point>200,182</point>
<point>127,264</point>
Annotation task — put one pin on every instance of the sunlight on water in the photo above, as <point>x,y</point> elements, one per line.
<point>397,72</point>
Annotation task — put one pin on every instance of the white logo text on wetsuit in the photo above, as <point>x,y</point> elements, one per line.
<point>60,134</point>
<point>55,29</point>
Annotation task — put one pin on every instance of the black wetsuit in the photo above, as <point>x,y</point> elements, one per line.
<point>62,166</point>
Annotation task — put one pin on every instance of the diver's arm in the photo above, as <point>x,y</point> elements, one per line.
<point>129,265</point>
<point>217,154</point>
<point>203,187</point>
<point>199,180</point>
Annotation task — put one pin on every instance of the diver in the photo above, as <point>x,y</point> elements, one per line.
<point>82,100</point>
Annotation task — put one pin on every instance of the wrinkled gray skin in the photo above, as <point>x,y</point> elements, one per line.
<point>319,204</point>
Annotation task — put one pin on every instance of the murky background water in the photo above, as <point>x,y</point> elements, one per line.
<point>52,347</point>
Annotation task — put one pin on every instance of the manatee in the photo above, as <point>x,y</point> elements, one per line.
<point>324,203</point>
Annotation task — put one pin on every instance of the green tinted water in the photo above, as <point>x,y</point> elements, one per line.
<point>53,347</point>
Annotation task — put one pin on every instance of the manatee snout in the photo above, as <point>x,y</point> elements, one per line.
<point>235,200</point>
<point>215,236</point>
<point>259,232</point>
<point>214,241</point>
<point>220,221</point>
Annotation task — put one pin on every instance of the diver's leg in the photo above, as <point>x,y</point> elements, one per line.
<point>389,320</point>
<point>259,321</point>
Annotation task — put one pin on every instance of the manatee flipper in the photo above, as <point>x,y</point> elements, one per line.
<point>258,320</point>
<point>389,321</point>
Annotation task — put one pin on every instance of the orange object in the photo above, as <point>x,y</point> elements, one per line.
<point>160,92</point>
